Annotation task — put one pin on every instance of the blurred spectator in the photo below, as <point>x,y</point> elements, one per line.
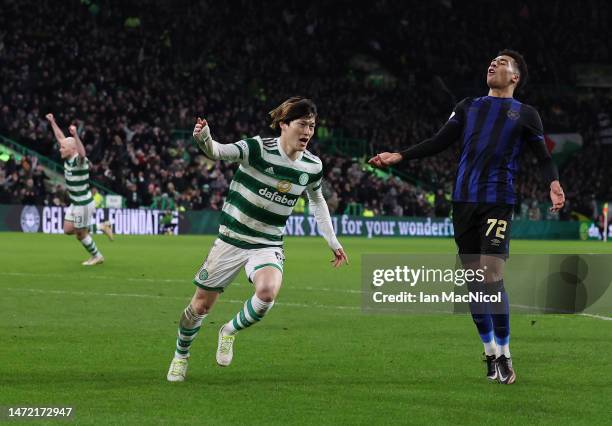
<point>97,197</point>
<point>132,198</point>
<point>442,207</point>
<point>534,212</point>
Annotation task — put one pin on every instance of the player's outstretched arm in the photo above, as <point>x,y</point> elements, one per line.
<point>213,149</point>
<point>79,145</point>
<point>59,135</point>
<point>320,210</point>
<point>385,159</point>
<point>445,137</point>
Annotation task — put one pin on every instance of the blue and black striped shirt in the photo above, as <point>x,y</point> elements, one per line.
<point>493,132</point>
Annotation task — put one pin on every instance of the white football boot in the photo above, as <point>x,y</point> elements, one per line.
<point>225,348</point>
<point>177,370</point>
<point>94,260</point>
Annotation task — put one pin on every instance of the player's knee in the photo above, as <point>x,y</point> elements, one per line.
<point>201,307</point>
<point>494,268</point>
<point>68,230</point>
<point>493,275</point>
<point>266,293</point>
<point>203,301</point>
<point>267,284</point>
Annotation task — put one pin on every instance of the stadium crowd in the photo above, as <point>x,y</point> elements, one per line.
<point>128,75</point>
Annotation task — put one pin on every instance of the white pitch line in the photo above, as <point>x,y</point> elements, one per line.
<point>96,277</point>
<point>149,296</point>
<point>556,311</point>
<point>168,280</point>
<point>601,317</point>
<point>299,305</point>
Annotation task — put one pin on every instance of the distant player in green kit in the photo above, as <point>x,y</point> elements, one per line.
<point>79,218</point>
<point>273,173</point>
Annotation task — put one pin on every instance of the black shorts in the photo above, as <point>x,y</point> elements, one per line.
<point>482,228</point>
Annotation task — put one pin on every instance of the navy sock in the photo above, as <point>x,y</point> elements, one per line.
<point>500,315</point>
<point>482,318</point>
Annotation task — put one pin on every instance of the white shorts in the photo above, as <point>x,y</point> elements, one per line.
<point>81,216</point>
<point>224,262</point>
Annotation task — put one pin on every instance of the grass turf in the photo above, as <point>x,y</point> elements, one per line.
<point>100,340</point>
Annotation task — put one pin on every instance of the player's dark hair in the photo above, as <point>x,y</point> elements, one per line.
<point>520,63</point>
<point>293,108</point>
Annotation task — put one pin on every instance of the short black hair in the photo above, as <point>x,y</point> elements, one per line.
<point>520,63</point>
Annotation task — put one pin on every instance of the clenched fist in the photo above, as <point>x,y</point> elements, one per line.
<point>201,131</point>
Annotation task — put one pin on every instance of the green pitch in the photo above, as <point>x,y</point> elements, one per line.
<point>101,339</point>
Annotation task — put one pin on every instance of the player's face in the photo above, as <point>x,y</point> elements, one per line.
<point>299,132</point>
<point>67,148</point>
<point>502,72</point>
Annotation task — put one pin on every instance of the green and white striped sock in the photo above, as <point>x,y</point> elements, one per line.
<point>189,325</point>
<point>253,311</point>
<point>93,228</point>
<point>90,245</point>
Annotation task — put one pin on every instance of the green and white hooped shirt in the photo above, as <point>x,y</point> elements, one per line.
<point>76,172</point>
<point>264,191</point>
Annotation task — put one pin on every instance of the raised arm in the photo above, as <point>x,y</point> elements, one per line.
<point>318,206</point>
<point>79,145</point>
<point>59,135</point>
<point>214,150</point>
